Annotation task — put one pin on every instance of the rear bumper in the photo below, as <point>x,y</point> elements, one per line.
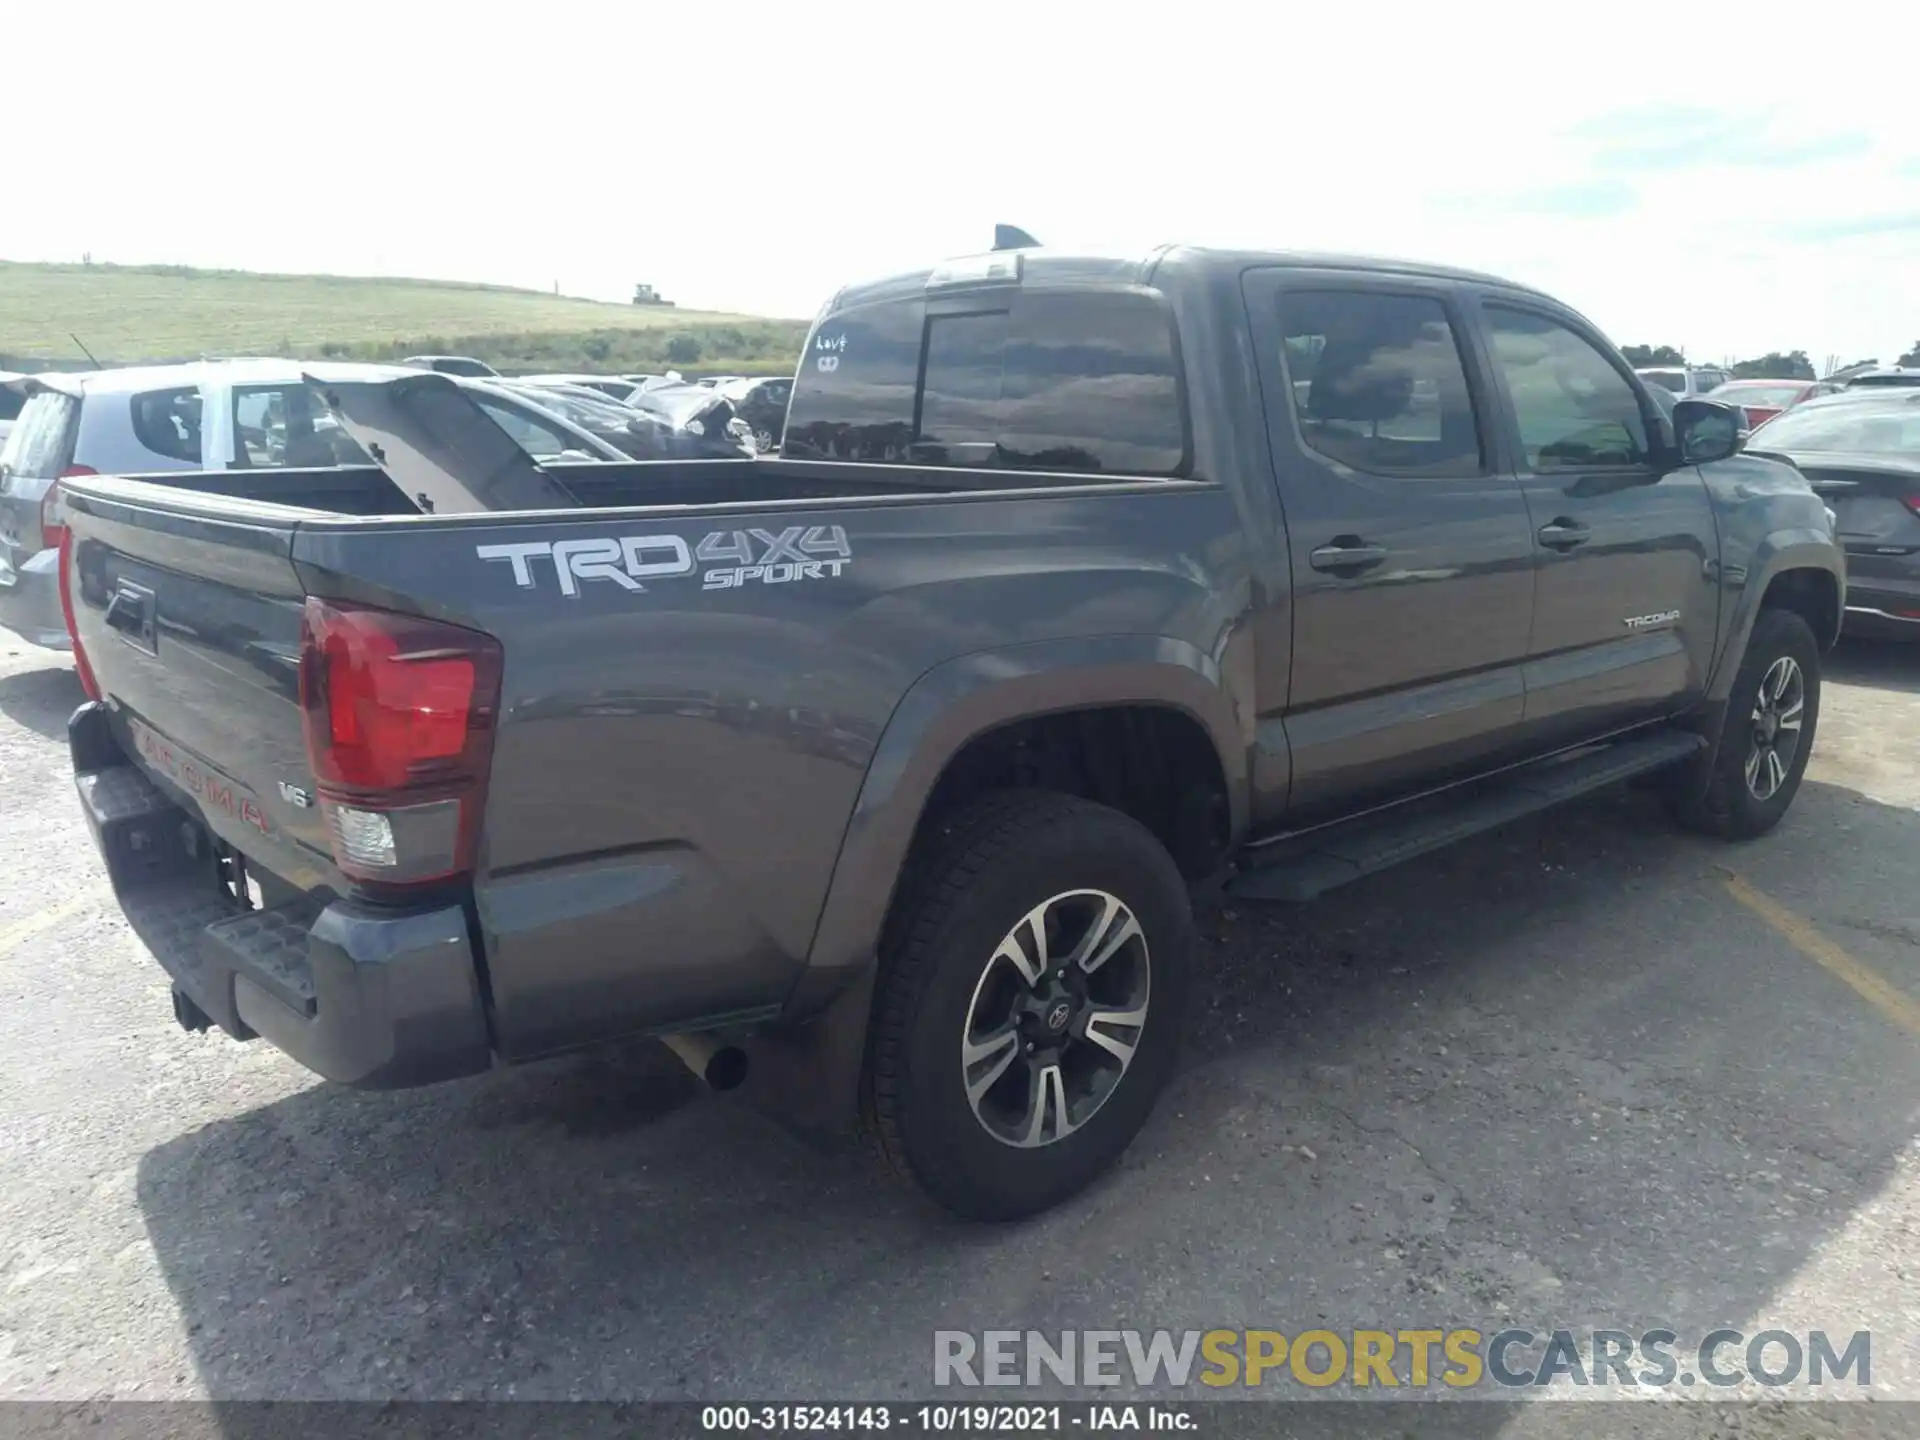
<point>30,597</point>
<point>1884,604</point>
<point>1871,622</point>
<point>374,998</point>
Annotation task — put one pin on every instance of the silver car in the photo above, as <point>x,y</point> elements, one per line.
<point>206,415</point>
<point>1684,382</point>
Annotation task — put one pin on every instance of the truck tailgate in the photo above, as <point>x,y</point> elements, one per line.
<point>189,613</point>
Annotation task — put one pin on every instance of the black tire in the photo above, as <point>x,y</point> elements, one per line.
<point>1729,807</point>
<point>995,862</point>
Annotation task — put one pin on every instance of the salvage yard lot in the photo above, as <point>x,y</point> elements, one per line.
<point>1585,1071</point>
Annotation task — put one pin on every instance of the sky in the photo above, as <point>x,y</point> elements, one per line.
<point>1732,180</point>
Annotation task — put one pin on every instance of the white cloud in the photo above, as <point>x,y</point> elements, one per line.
<point>755,156</point>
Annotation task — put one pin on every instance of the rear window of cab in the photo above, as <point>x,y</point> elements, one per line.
<point>1076,381</point>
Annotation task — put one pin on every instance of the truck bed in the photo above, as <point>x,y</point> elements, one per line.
<point>367,490</point>
<point>700,659</point>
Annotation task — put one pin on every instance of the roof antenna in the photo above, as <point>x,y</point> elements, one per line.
<point>1012,237</point>
<point>84,350</point>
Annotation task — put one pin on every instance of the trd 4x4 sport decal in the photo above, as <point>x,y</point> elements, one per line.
<point>800,552</point>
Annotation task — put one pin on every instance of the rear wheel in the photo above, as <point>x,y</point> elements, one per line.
<point>1030,1002</point>
<point>1767,735</point>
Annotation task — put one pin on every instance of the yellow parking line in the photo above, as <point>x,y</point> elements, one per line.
<point>33,925</point>
<point>1867,983</point>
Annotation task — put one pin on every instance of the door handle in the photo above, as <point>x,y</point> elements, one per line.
<point>1347,554</point>
<point>127,611</point>
<point>1564,534</point>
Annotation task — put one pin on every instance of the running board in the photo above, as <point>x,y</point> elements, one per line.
<point>1304,867</point>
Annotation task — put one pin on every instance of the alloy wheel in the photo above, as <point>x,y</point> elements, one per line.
<point>1777,711</point>
<point>1056,1018</point>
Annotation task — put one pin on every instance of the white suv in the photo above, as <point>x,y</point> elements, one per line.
<point>1684,382</point>
<point>204,415</point>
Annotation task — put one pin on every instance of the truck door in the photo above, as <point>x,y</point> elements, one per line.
<point>1411,555</point>
<point>1625,598</point>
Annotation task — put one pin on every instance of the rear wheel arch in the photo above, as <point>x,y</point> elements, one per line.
<point>973,711</point>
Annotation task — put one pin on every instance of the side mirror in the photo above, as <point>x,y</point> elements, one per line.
<point>1707,431</point>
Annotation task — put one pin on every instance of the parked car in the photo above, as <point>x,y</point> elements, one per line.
<point>694,420</point>
<point>538,425</point>
<point>761,401</point>
<point>885,782</point>
<point>211,415</point>
<point>450,364</point>
<point>127,421</point>
<point>1688,382</point>
<point>654,382</point>
<point>650,432</point>
<point>1895,376</point>
<point>1861,452</point>
<point>614,387</point>
<point>1764,399</point>
<point>13,395</point>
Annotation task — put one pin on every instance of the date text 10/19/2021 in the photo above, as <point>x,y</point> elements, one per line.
<point>936,1419</point>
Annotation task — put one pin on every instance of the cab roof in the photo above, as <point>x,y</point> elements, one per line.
<point>1190,263</point>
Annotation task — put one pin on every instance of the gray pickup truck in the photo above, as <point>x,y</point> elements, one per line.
<point>878,772</point>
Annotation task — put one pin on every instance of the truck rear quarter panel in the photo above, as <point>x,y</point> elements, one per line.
<point>675,766</point>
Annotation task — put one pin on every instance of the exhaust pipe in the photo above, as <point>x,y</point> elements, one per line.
<point>723,1067</point>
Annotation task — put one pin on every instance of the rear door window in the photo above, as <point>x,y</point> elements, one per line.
<point>167,423</point>
<point>1377,382</point>
<point>286,427</point>
<point>41,441</point>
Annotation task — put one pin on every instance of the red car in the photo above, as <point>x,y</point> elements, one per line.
<point>1764,399</point>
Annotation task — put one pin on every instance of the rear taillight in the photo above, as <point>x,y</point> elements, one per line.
<point>1912,502</point>
<point>53,523</point>
<point>399,714</point>
<point>82,667</point>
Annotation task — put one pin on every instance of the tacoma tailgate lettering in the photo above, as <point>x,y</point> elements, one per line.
<point>205,784</point>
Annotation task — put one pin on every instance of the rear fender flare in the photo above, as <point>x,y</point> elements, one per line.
<point>966,697</point>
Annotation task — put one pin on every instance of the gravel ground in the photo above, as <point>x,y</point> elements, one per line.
<point>1585,1072</point>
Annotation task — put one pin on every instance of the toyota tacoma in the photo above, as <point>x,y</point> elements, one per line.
<point>881,770</point>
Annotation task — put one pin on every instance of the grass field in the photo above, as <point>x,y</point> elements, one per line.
<point>167,312</point>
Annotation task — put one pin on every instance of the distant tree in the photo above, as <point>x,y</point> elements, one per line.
<point>1641,356</point>
<point>1794,365</point>
<point>1912,357</point>
<point>684,350</point>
